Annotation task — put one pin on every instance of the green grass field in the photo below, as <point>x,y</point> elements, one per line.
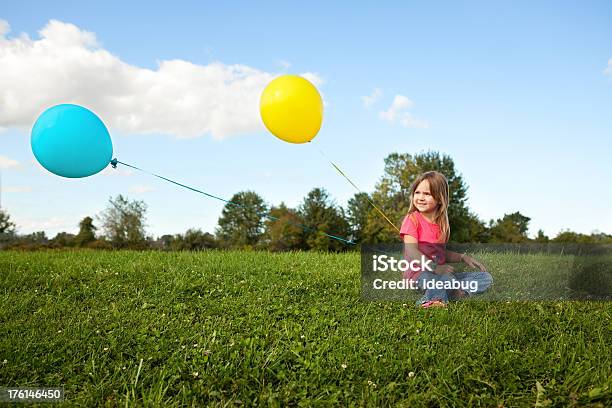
<point>243,328</point>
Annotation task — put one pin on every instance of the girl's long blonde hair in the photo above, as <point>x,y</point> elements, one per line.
<point>438,186</point>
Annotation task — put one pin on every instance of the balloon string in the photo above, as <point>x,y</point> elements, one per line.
<point>114,163</point>
<point>357,188</point>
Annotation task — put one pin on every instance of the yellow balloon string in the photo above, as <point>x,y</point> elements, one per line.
<point>358,189</point>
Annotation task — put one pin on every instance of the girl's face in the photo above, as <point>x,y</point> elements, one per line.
<point>422,198</point>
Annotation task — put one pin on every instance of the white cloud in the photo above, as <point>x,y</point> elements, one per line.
<point>314,78</point>
<point>179,98</point>
<point>53,224</point>
<point>17,189</point>
<point>409,121</point>
<point>141,189</point>
<point>119,171</point>
<point>397,112</point>
<point>6,162</point>
<point>608,70</point>
<point>400,103</point>
<point>372,99</point>
<point>4,27</point>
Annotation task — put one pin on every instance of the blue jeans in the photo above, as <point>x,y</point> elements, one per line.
<point>471,283</point>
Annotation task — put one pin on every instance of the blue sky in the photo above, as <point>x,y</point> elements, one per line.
<point>519,94</point>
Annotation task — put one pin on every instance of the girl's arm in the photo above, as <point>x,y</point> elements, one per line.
<point>454,257</point>
<point>466,259</point>
<point>411,251</point>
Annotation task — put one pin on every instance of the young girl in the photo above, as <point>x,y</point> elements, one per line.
<point>425,232</point>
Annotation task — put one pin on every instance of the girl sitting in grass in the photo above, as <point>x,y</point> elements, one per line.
<point>425,232</point>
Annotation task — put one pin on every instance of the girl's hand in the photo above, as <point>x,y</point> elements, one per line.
<point>444,269</point>
<point>472,263</point>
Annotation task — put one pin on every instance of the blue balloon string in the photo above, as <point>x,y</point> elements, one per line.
<point>114,163</point>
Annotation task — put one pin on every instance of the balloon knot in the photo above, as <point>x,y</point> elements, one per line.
<point>114,163</point>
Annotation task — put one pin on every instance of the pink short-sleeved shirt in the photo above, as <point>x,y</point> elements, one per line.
<point>427,236</point>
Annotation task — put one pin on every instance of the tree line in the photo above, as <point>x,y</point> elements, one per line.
<point>248,222</point>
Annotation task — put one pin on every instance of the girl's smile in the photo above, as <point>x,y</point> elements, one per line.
<point>422,198</point>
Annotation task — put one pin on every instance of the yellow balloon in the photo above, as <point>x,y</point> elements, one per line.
<point>292,109</point>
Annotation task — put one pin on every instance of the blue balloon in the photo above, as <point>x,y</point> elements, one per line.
<point>71,141</point>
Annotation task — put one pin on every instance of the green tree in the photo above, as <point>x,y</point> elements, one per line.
<point>194,240</point>
<point>63,239</point>
<point>357,213</point>
<point>124,221</point>
<point>541,237</point>
<point>167,241</point>
<point>6,225</point>
<point>282,230</point>
<point>599,237</point>
<point>570,237</point>
<point>241,224</point>
<point>512,228</point>
<point>87,232</point>
<point>392,195</point>
<point>7,229</point>
<point>37,238</point>
<point>321,216</point>
<point>476,229</point>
